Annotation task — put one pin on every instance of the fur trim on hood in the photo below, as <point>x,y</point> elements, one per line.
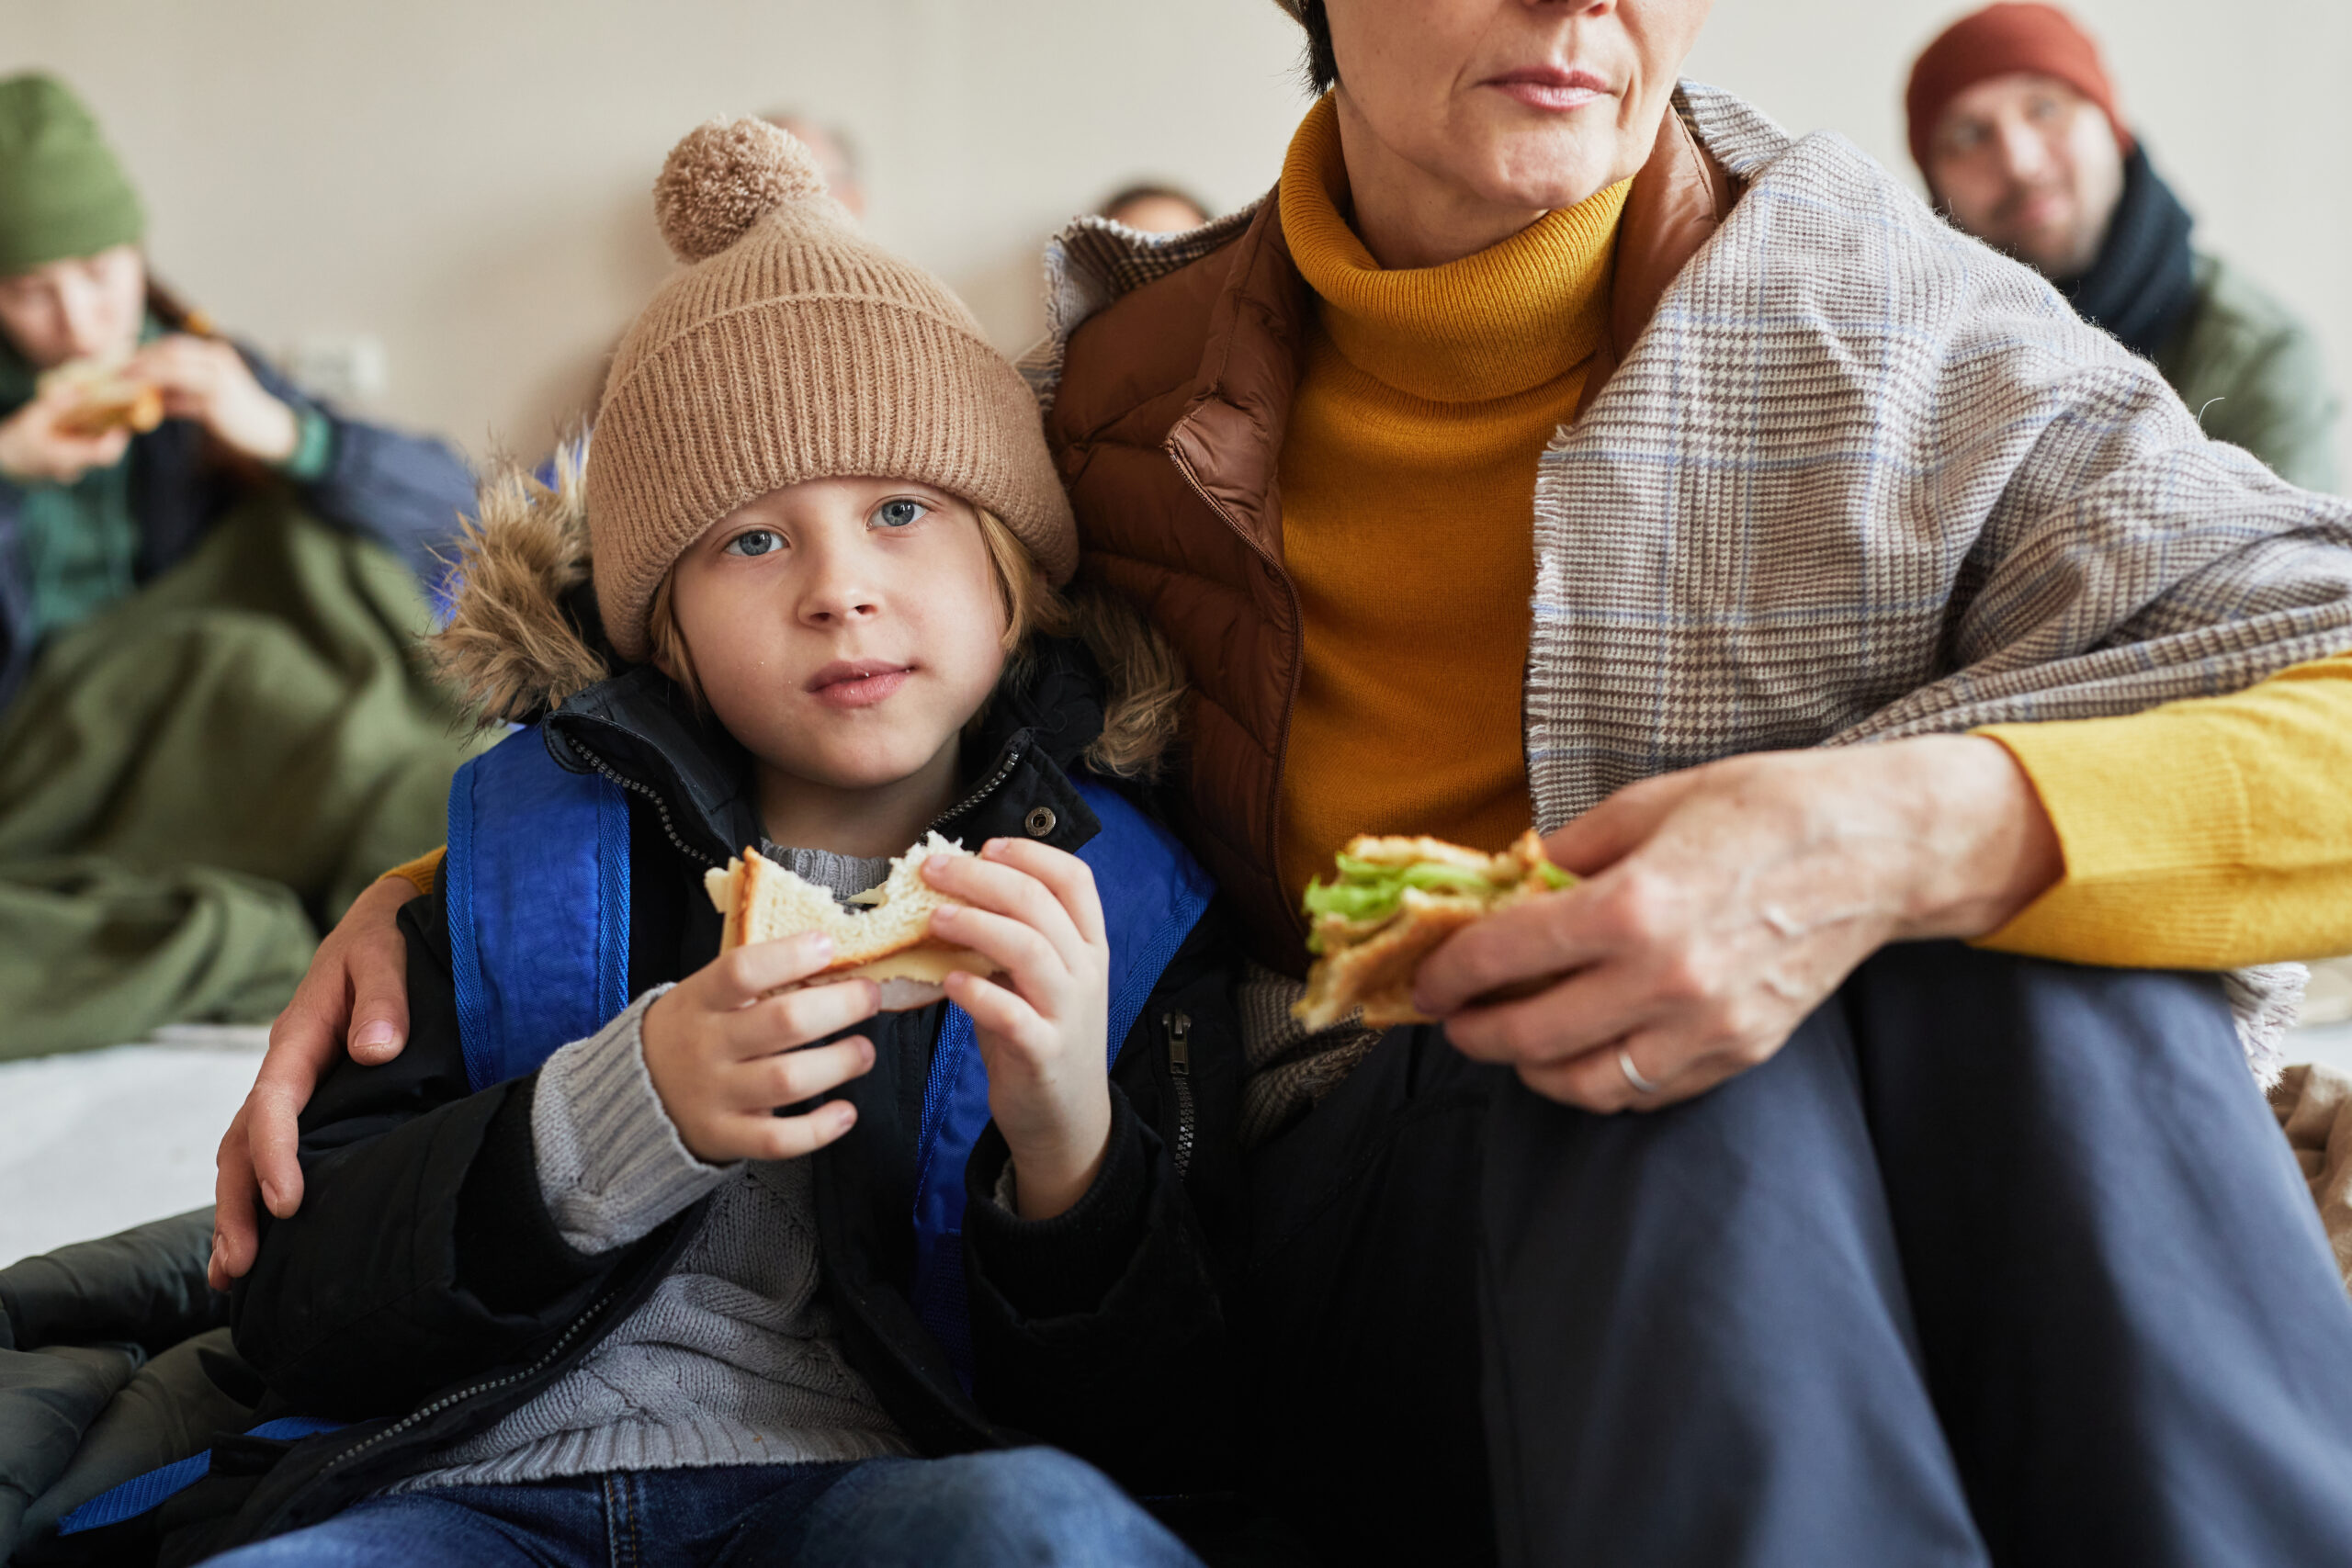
<point>511,647</point>
<point>523,638</point>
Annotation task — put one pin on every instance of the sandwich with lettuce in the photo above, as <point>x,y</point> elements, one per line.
<point>1394,901</point>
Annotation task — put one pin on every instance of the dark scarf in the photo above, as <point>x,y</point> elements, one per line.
<point>2145,281</point>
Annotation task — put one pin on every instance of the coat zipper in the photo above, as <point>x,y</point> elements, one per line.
<point>1180,1068</point>
<point>491,1385</point>
<point>660,806</point>
<point>1012,761</point>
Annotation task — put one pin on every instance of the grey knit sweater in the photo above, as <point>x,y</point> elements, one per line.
<point>734,1358</point>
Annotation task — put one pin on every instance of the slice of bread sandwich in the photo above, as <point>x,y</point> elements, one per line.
<point>104,401</point>
<point>1395,900</point>
<point>888,941</point>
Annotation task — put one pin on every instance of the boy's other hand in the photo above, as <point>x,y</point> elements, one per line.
<point>207,380</point>
<point>358,982</point>
<point>723,1053</point>
<point>1035,911</point>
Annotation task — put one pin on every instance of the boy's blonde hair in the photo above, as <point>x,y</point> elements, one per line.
<point>1143,679</point>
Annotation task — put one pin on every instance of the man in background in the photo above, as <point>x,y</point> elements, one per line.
<point>2014,124</point>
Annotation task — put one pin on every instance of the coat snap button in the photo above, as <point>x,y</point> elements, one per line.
<point>1040,821</point>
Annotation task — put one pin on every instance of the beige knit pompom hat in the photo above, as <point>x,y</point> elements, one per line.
<point>794,348</point>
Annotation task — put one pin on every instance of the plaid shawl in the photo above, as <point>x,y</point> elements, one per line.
<point>1865,477</point>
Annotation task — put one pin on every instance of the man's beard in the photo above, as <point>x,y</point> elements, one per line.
<point>2061,253</point>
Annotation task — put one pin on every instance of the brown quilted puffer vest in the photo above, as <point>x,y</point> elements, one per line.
<point>1167,426</point>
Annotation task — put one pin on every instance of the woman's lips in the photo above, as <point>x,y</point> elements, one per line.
<point>1550,88</point>
<point>858,684</point>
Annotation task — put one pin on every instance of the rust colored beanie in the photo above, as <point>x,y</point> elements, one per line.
<point>2001,40</point>
<point>790,348</point>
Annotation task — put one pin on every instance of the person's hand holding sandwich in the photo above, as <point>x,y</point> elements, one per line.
<point>1013,935</point>
<point>49,441</point>
<point>1719,906</point>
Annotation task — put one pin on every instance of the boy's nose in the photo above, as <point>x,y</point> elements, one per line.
<point>842,611</point>
<point>836,599</point>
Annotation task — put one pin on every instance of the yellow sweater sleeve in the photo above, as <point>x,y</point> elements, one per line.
<point>421,873</point>
<point>2199,835</point>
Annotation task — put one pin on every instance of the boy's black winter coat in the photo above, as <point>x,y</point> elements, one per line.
<point>422,1291</point>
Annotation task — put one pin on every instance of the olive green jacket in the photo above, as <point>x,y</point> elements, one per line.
<point>2251,371</point>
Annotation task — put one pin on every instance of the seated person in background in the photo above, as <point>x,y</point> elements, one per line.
<point>160,487</point>
<point>2014,126</point>
<point>1155,209</point>
<point>834,153</point>
<point>826,610</point>
<point>90,513</point>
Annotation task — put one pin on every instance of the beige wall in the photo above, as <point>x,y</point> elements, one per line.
<point>466,180</point>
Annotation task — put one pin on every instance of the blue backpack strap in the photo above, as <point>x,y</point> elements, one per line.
<point>1153,894</point>
<point>140,1492</point>
<point>537,893</point>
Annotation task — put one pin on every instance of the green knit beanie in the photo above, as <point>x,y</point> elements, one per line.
<point>63,193</point>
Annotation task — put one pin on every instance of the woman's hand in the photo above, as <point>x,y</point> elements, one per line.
<point>33,450</point>
<point>1035,911</point>
<point>724,1055</point>
<point>358,983</point>
<point>206,379</point>
<point>1722,904</point>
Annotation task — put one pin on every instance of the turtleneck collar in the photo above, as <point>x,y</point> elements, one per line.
<point>1495,323</point>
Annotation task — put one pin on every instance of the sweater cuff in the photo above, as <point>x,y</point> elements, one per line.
<point>421,873</point>
<point>1063,1267</point>
<point>2145,810</point>
<point>313,451</point>
<point>612,1168</point>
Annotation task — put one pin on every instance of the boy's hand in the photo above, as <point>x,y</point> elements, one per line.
<point>207,380</point>
<point>1033,910</point>
<point>722,1052</point>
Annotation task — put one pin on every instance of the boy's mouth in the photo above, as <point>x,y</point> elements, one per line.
<point>857,682</point>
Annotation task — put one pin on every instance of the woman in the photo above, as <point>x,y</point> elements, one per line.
<point>1560,442</point>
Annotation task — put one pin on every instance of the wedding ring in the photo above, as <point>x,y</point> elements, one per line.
<point>1633,1074</point>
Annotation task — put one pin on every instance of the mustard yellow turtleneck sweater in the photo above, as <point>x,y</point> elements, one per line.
<point>1407,474</point>
<point>2197,835</point>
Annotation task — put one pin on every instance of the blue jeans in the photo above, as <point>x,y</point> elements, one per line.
<point>1023,1505</point>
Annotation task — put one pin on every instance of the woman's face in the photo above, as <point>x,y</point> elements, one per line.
<point>85,308</point>
<point>1521,104</point>
<point>844,629</point>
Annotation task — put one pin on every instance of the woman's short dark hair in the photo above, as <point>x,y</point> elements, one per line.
<point>1322,65</point>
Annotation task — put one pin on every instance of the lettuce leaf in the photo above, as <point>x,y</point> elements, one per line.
<point>1371,890</point>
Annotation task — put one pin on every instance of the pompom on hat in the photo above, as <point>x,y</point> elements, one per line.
<point>789,348</point>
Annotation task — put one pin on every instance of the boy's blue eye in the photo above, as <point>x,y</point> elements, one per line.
<point>754,542</point>
<point>899,513</point>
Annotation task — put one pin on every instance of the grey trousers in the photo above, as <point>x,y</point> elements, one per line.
<point>1998,1261</point>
